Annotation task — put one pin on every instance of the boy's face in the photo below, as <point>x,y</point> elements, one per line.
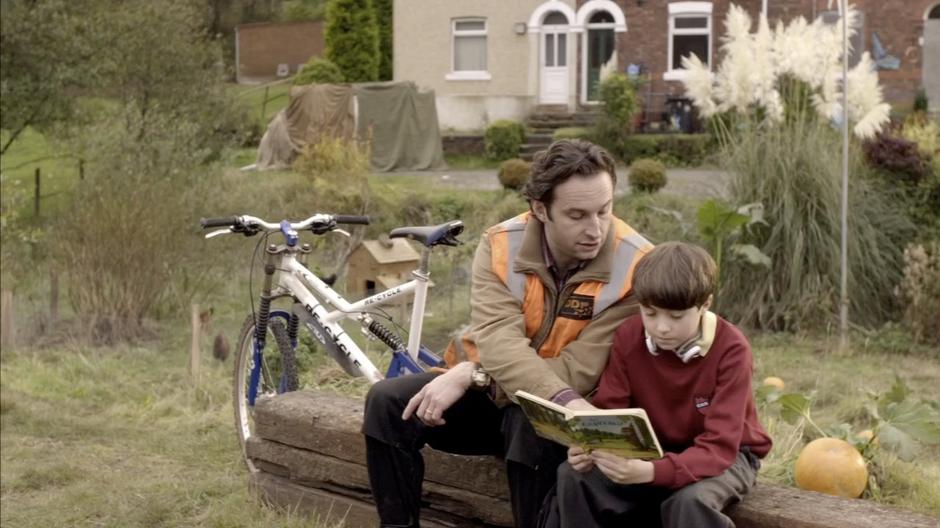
<point>671,329</point>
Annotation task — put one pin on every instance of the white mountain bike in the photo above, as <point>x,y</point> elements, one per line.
<point>266,362</point>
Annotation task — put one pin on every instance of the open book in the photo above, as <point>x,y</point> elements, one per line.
<point>625,432</point>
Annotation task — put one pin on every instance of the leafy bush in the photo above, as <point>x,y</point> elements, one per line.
<point>502,139</point>
<point>659,217</point>
<point>129,244</point>
<point>318,70</point>
<point>919,291</point>
<point>921,102</point>
<point>514,173</point>
<point>331,156</point>
<point>896,158</point>
<point>618,95</point>
<point>572,133</point>
<point>674,150</point>
<point>352,39</point>
<point>647,175</point>
<point>924,132</point>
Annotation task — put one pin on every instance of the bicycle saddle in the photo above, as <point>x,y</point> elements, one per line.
<point>445,234</point>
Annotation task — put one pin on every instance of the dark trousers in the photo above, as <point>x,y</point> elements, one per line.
<point>590,499</point>
<point>475,426</point>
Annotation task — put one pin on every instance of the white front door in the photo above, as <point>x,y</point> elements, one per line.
<point>553,55</point>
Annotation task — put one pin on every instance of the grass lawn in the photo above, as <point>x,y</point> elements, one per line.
<point>58,171</point>
<point>122,437</point>
<point>255,96</point>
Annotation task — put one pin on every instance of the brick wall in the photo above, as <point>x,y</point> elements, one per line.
<point>898,23</point>
<point>263,46</point>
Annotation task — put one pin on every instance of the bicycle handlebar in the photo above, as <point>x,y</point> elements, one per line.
<point>351,219</point>
<point>249,225</point>
<point>218,222</point>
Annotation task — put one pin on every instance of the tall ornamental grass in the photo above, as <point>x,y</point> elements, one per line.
<point>795,172</point>
<point>773,100</point>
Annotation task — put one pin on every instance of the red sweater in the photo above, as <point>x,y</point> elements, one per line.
<point>703,411</point>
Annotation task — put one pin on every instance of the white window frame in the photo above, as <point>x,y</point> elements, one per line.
<point>687,10</point>
<point>467,75</point>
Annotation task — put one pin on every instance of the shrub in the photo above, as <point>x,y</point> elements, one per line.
<point>919,291</point>
<point>896,158</point>
<point>923,132</point>
<point>572,133</point>
<point>514,173</point>
<point>352,39</point>
<point>647,175</point>
<point>129,243</point>
<point>674,150</point>
<point>618,94</point>
<point>333,156</point>
<point>921,102</point>
<point>502,139</point>
<point>318,70</point>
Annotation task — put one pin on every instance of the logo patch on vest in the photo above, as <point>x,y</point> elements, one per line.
<point>578,307</point>
<point>702,403</point>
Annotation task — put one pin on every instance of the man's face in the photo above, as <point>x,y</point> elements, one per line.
<point>577,220</point>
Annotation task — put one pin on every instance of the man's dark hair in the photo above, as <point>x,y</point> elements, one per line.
<point>675,276</point>
<point>562,160</point>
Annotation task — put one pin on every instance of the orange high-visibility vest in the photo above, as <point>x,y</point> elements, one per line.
<point>575,311</point>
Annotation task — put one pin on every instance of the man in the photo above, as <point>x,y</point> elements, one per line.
<point>548,289</point>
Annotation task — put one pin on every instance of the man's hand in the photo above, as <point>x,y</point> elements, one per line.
<point>623,470</point>
<point>438,395</point>
<point>579,459</point>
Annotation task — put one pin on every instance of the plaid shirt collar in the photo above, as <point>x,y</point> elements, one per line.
<point>561,276</point>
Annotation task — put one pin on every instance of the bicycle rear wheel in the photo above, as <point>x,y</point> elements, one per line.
<point>276,373</point>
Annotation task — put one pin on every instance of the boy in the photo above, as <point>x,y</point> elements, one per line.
<point>691,371</point>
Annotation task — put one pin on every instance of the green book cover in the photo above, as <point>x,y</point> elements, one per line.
<point>625,432</point>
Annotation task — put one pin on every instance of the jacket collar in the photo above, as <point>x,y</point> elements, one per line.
<point>530,258</point>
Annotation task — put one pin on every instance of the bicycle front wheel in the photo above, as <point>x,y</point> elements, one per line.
<point>260,373</point>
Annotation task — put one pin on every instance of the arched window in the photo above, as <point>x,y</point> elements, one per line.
<point>934,12</point>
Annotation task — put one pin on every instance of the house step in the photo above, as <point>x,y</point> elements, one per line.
<point>544,122</point>
<point>542,138</point>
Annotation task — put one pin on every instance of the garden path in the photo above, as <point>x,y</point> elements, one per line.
<point>689,182</point>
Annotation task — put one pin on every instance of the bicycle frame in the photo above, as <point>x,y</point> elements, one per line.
<point>313,297</point>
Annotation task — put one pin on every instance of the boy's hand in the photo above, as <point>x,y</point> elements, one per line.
<point>579,459</point>
<point>622,470</point>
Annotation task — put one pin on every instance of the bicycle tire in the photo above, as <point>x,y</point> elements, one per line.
<point>279,363</point>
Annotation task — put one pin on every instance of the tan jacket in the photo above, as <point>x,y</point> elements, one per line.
<point>498,321</point>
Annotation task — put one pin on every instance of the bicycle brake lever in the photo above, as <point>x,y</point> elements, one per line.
<point>342,232</point>
<point>225,231</point>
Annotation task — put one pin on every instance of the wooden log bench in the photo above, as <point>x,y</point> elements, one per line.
<point>311,460</point>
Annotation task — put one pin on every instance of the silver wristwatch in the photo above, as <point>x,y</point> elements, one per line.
<point>479,379</point>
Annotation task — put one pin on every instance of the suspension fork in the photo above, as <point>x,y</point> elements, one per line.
<point>261,324</point>
<point>293,325</point>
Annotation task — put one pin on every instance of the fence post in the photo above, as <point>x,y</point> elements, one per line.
<point>194,352</point>
<point>6,320</point>
<point>36,194</point>
<point>264,105</point>
<point>53,298</point>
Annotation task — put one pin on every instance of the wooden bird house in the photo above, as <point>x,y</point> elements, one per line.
<point>377,265</point>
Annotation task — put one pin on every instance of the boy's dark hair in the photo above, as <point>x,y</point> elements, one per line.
<point>675,276</point>
<point>562,160</point>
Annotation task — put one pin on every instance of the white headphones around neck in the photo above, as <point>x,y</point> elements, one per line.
<point>685,352</point>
